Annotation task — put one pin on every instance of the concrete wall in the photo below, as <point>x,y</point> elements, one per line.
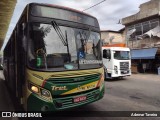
<point>147,9</point>
<point>144,43</point>
<point>123,33</point>
<point>118,37</point>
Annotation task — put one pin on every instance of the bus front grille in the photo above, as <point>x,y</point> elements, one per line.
<point>75,79</point>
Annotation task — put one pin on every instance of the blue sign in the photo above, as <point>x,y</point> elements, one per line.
<point>81,54</point>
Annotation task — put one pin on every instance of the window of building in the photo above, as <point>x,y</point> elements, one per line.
<point>142,28</point>
<point>146,28</point>
<point>153,25</point>
<point>138,28</point>
<point>130,27</point>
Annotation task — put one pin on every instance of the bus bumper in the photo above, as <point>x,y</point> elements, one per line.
<point>35,103</point>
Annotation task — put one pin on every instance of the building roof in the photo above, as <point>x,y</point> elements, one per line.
<point>119,31</point>
<point>110,31</point>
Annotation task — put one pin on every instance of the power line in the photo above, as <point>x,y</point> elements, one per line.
<point>94,5</point>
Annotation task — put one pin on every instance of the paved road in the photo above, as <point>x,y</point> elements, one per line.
<point>139,92</point>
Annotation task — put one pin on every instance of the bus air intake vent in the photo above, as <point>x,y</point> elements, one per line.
<point>75,79</point>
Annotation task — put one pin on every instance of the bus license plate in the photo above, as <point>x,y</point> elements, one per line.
<point>79,99</point>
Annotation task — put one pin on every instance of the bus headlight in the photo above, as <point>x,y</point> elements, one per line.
<point>45,93</point>
<point>34,89</point>
<point>39,91</point>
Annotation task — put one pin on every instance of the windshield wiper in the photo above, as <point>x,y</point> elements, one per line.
<point>59,32</point>
<point>61,36</point>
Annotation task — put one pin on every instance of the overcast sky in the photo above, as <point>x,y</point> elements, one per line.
<point>108,13</point>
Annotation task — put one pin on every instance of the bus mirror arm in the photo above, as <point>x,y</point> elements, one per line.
<point>59,32</point>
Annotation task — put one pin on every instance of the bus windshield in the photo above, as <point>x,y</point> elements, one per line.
<point>49,49</point>
<point>121,55</point>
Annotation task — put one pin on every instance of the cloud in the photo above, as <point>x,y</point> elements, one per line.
<point>109,12</point>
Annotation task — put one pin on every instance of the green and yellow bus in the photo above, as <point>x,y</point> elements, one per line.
<point>53,60</point>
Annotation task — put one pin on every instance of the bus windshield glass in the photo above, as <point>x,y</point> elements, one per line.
<point>121,55</point>
<point>58,48</point>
